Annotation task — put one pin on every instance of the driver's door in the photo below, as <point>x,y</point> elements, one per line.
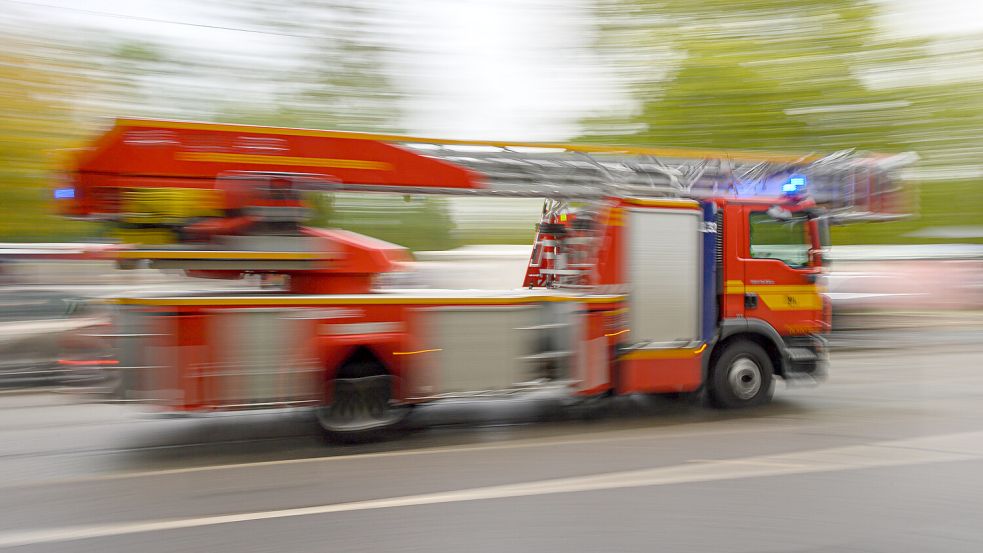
<point>779,283</point>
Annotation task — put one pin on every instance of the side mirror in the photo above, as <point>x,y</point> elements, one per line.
<point>818,258</point>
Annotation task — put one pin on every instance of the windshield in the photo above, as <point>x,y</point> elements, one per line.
<point>786,241</point>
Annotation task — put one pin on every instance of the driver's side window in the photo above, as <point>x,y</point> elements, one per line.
<point>772,238</point>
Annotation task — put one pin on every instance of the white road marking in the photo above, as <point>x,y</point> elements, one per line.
<point>757,462</point>
<point>916,451</point>
<point>691,430</point>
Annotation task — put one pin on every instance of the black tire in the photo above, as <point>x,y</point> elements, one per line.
<point>361,408</point>
<point>741,376</point>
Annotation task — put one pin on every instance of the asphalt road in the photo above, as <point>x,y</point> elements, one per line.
<point>886,456</point>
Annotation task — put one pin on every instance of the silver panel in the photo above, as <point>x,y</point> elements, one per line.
<point>480,348</point>
<point>148,358</point>
<point>663,260</point>
<point>264,356</point>
<point>277,244</point>
<point>563,332</point>
<point>260,358</point>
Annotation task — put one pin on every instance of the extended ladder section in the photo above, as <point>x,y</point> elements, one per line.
<point>169,155</point>
<point>844,181</point>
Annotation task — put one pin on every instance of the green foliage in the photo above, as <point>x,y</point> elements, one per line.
<point>56,91</point>
<point>943,204</point>
<point>789,75</point>
<point>746,75</point>
<point>340,80</point>
<point>418,223</point>
<point>36,120</point>
<point>797,76</point>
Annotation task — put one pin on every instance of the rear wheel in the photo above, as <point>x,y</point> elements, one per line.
<point>361,408</point>
<point>741,376</point>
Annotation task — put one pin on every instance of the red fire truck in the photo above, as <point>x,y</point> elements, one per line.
<point>653,271</point>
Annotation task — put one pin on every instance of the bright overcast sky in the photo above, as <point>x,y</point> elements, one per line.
<point>492,69</point>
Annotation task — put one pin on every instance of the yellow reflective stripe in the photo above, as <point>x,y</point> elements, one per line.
<point>417,352</point>
<point>665,353</point>
<point>615,217</point>
<point>792,301</point>
<point>781,297</point>
<point>733,287</point>
<point>258,159</point>
<point>738,287</point>
<point>677,204</point>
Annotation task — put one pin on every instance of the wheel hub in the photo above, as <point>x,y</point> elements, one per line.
<point>744,377</point>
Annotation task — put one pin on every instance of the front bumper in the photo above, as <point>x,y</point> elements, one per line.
<point>806,359</point>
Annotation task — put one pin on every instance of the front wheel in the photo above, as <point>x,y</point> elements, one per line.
<point>361,408</point>
<point>741,376</point>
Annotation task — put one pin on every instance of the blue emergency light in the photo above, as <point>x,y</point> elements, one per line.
<point>64,193</point>
<point>794,184</point>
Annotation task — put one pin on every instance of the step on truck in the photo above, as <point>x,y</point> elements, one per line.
<point>653,271</point>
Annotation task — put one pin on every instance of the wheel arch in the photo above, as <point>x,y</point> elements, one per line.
<point>364,410</point>
<point>752,330</point>
<point>342,361</point>
<point>333,354</point>
<point>355,355</point>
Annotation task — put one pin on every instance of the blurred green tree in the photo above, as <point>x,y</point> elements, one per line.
<point>37,121</point>
<point>56,92</point>
<point>804,76</point>
<point>339,76</point>
<point>761,75</point>
<point>342,79</point>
